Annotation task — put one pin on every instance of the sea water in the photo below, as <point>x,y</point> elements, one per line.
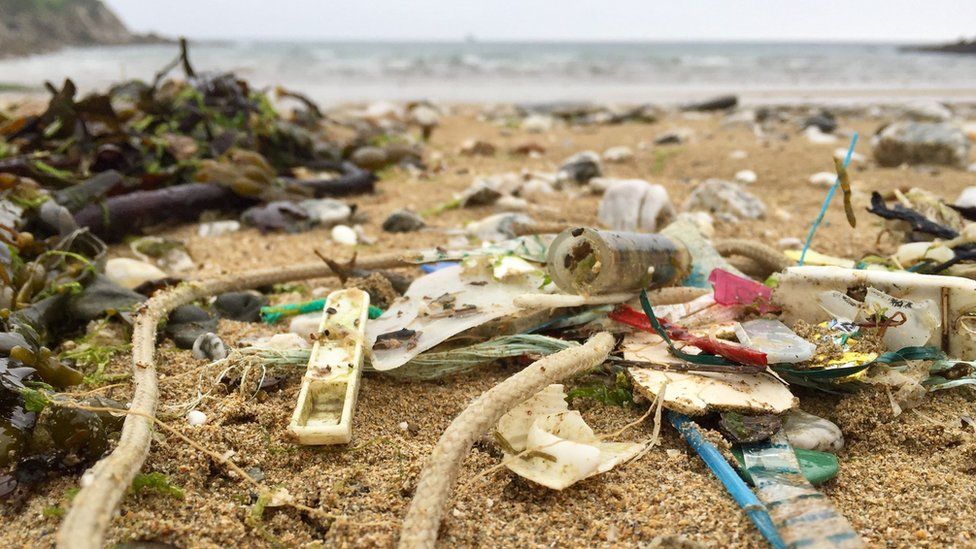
<point>473,71</point>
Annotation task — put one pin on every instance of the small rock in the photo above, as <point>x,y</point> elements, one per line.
<point>187,323</point>
<point>746,177</point>
<point>476,147</point>
<point>344,234</point>
<point>196,418</point>
<point>823,179</point>
<point>100,297</point>
<point>509,203</point>
<point>809,432</point>
<point>131,273</point>
<point>738,154</point>
<point>217,228</point>
<point>498,227</point>
<point>240,306</point>
<point>635,204</point>
<point>817,137</point>
<point>483,192</point>
<point>782,214</point>
<point>719,103</point>
<point>926,111</point>
<point>823,122</point>
<point>370,158</point>
<point>404,426</point>
<point>534,189</point>
<point>744,118</point>
<point>967,198</point>
<point>425,116</point>
<point>168,254</point>
<point>856,157</point>
<point>210,347</point>
<point>580,168</point>
<point>673,137</point>
<point>530,149</point>
<point>921,143</point>
<point>403,221</point>
<point>726,198</point>
<point>327,211</point>
<point>537,123</point>
<point>748,428</point>
<point>618,154</point>
<point>280,215</point>
<point>789,243</point>
<point>971,168</point>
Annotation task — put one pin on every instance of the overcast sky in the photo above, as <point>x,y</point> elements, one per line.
<point>858,20</point>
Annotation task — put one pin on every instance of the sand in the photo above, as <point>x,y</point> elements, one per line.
<point>908,481</point>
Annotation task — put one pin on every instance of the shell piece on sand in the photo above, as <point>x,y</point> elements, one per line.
<point>559,447</point>
<point>701,392</point>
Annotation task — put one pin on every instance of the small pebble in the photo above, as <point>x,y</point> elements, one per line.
<point>789,243</point>
<point>746,177</point>
<point>196,417</point>
<point>404,426</point>
<point>217,228</point>
<point>823,179</point>
<point>344,234</point>
<point>738,155</point>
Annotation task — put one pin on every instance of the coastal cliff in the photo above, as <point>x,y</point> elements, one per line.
<point>37,26</point>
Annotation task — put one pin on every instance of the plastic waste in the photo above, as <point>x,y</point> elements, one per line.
<point>330,386</point>
<point>816,467</point>
<point>588,261</point>
<point>697,393</point>
<point>440,305</point>
<point>803,516</point>
<point>731,289</point>
<point>947,320</point>
<point>776,340</point>
<point>547,443</point>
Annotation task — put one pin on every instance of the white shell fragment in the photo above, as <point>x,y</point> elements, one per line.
<point>554,446</point>
<point>702,392</point>
<point>810,432</point>
<point>330,386</point>
<point>131,273</point>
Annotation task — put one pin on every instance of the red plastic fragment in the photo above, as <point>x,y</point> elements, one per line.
<point>735,290</point>
<point>727,349</point>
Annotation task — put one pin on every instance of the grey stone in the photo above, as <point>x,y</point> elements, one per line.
<point>726,200</point>
<point>580,168</point>
<point>403,221</point>
<point>209,346</point>
<point>719,103</point>
<point>635,204</point>
<point>921,143</point>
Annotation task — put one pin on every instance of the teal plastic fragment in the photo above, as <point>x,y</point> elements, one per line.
<point>374,312</point>
<point>817,467</point>
<point>274,313</point>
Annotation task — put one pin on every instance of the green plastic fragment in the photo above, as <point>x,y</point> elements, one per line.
<point>374,312</point>
<point>274,313</point>
<point>817,467</point>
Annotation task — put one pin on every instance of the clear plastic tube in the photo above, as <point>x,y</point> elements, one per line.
<point>587,261</point>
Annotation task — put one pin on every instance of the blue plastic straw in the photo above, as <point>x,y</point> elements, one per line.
<point>737,487</point>
<point>830,196</point>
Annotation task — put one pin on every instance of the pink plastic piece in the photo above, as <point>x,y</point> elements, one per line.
<point>735,290</point>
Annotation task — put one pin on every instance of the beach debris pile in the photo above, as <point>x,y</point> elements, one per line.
<point>112,166</point>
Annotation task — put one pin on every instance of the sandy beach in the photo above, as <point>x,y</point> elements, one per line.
<point>908,481</point>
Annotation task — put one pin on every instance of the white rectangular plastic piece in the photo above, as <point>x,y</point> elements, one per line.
<point>955,332</point>
<point>330,386</point>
